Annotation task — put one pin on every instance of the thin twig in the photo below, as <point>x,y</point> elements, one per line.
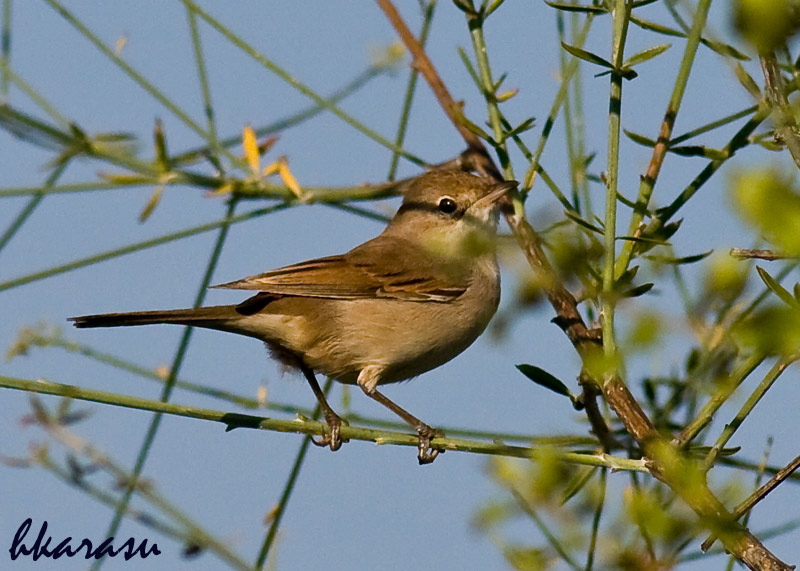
<point>648,181</point>
<point>169,385</point>
<point>425,67</point>
<point>751,402</point>
<point>720,396</point>
<point>786,129</point>
<point>98,458</point>
<point>288,488</point>
<point>408,98</point>
<point>754,253</point>
<point>757,496</point>
<point>83,262</point>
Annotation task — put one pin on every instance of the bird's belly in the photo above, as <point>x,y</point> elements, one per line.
<point>404,339</point>
<point>401,339</point>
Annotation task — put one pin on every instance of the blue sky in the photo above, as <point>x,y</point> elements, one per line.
<point>364,507</point>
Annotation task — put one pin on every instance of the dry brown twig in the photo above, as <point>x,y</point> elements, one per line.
<point>759,254</point>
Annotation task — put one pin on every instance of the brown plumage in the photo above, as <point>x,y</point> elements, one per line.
<point>392,308</point>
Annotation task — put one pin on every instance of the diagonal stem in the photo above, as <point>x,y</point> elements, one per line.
<point>648,181</point>
<point>425,67</point>
<point>166,392</point>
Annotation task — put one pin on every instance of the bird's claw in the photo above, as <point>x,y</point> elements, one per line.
<point>426,454</point>
<point>332,439</point>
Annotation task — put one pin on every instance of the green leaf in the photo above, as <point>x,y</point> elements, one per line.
<point>638,290</point>
<point>470,68</point>
<point>658,28</point>
<point>797,292</point>
<point>155,198</point>
<point>581,222</point>
<point>644,240</point>
<point>680,261</point>
<point>545,379</point>
<point>162,158</point>
<point>521,128</point>
<point>645,55</point>
<point>465,7</point>
<point>32,130</point>
<point>494,6</point>
<point>700,151</point>
<point>720,48</point>
<point>777,288</point>
<point>577,8</point>
<point>668,230</point>
<point>627,277</point>
<point>639,139</point>
<point>683,151</point>
<point>475,129</point>
<point>724,49</point>
<point>624,72</point>
<point>704,450</point>
<point>747,81</point>
<point>587,56</point>
<point>499,82</point>
<point>234,420</point>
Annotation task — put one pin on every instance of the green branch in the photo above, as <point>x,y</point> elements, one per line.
<point>110,254</point>
<point>308,427</point>
<point>302,88</point>
<point>648,181</point>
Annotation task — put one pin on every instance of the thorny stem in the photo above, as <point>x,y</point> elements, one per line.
<point>304,426</point>
<point>558,101</point>
<point>648,181</point>
<point>621,19</point>
<point>747,408</point>
<point>706,414</point>
<point>761,493</point>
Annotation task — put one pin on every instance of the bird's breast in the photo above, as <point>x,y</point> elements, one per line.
<point>406,338</point>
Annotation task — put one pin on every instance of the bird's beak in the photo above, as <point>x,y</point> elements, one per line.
<point>499,191</point>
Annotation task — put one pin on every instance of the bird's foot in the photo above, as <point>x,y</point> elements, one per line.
<point>426,454</point>
<point>332,439</point>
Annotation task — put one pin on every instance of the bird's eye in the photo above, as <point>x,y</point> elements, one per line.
<point>447,205</point>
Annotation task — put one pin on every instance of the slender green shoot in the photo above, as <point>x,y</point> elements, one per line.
<point>155,423</point>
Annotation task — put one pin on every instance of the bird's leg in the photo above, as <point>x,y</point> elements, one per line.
<point>367,380</point>
<point>334,421</point>
<point>426,454</point>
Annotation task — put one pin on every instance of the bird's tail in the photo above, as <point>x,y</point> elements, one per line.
<point>214,317</point>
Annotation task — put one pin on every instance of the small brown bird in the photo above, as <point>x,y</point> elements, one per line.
<point>392,308</point>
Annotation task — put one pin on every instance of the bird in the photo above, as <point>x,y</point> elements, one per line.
<point>390,309</point>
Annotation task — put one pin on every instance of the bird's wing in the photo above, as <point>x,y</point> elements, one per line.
<point>384,267</point>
